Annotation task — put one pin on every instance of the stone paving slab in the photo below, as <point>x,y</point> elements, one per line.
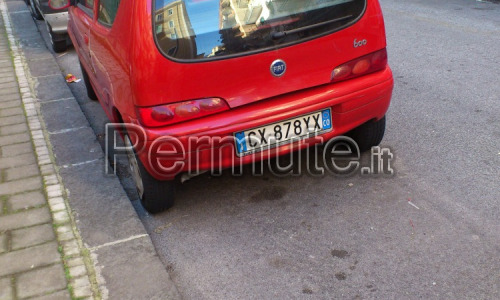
<point>18,160</point>
<point>16,149</point>
<point>26,200</point>
<point>10,120</point>
<point>13,111</point>
<point>10,97</point>
<point>13,129</point>
<point>19,186</point>
<point>41,281</point>
<point>21,172</point>
<point>9,104</point>
<point>32,236</point>
<point>5,79</point>
<point>29,259</point>
<point>25,218</point>
<point>10,87</point>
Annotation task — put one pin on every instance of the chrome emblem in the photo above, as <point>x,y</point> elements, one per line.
<point>360,43</point>
<point>278,68</point>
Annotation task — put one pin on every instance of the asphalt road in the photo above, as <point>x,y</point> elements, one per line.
<point>359,237</point>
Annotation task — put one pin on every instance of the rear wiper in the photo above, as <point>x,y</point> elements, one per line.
<point>281,34</point>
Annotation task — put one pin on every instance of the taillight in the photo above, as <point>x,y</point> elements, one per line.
<point>162,115</point>
<point>367,64</point>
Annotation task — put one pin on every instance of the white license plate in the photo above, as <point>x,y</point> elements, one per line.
<point>284,132</point>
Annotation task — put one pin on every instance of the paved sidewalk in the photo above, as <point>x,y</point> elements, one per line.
<point>39,255</point>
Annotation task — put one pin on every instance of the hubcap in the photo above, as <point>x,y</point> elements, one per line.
<point>134,167</point>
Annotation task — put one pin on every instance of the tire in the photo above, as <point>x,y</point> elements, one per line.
<point>156,196</point>
<point>90,90</point>
<point>369,134</point>
<point>34,10</point>
<point>58,41</point>
<point>59,46</point>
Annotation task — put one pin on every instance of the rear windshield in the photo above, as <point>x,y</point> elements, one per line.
<point>204,29</point>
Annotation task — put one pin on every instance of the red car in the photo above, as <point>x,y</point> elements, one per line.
<point>251,79</point>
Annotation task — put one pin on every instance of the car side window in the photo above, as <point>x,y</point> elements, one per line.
<point>88,5</point>
<point>107,11</point>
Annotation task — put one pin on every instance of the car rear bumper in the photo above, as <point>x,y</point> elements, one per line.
<point>58,22</point>
<point>352,104</point>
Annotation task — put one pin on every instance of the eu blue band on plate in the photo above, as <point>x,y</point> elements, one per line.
<point>327,119</point>
<point>241,142</point>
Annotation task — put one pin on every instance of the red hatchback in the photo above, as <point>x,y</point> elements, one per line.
<point>252,79</point>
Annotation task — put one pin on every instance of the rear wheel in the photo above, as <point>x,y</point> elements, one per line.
<point>90,90</point>
<point>156,196</point>
<point>369,134</point>
<point>34,11</point>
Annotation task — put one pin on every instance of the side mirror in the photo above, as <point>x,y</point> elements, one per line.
<point>59,4</point>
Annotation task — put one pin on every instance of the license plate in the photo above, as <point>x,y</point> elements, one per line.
<point>282,133</point>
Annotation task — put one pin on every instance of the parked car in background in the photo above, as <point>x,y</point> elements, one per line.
<point>56,21</point>
<point>270,76</point>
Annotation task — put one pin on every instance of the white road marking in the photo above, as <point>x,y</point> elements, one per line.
<point>134,237</point>
<point>81,163</point>
<point>67,130</point>
<point>409,202</point>
<point>56,100</point>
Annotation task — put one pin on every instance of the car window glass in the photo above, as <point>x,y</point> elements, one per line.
<point>108,10</point>
<point>87,3</point>
<point>205,29</point>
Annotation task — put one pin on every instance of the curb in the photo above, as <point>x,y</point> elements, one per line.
<point>102,229</point>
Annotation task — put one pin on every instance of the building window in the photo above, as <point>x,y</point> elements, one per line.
<point>159,29</point>
<point>170,11</point>
<point>159,18</point>
<point>171,24</point>
<point>173,36</point>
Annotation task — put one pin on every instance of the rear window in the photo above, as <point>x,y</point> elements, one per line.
<point>204,29</point>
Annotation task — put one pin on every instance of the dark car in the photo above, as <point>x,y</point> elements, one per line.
<point>56,21</point>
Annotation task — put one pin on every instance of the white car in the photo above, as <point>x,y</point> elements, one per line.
<point>56,21</point>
